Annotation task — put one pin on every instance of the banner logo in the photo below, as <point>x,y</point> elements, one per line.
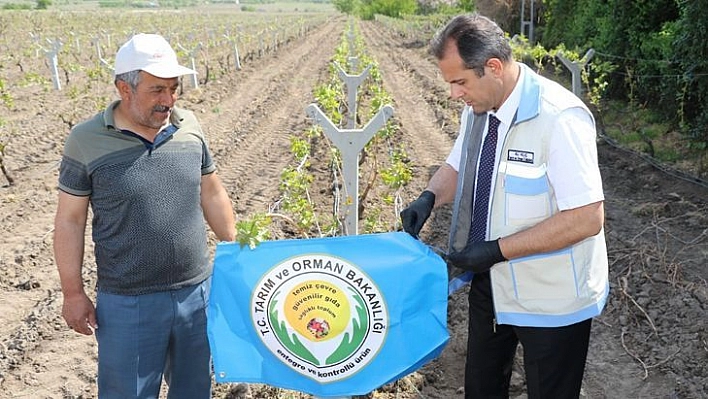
<point>320,315</point>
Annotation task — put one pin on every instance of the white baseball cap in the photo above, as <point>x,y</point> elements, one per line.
<point>150,53</point>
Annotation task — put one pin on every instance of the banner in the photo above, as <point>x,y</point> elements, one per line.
<point>327,316</point>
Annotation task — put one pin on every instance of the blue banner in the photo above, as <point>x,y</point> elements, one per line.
<point>327,316</point>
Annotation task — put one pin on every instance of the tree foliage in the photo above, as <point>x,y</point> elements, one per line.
<point>345,6</point>
<point>392,8</point>
<point>691,56</point>
<point>367,9</point>
<point>43,4</point>
<point>658,47</point>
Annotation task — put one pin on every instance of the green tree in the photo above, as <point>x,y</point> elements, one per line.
<point>43,4</point>
<point>574,23</point>
<point>658,48</point>
<point>345,6</point>
<point>391,8</point>
<point>634,35</point>
<point>691,55</point>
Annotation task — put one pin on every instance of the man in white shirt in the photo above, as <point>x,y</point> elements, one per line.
<point>528,215</point>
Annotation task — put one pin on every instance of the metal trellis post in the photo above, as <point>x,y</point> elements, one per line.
<point>575,68</point>
<point>352,82</point>
<point>350,142</point>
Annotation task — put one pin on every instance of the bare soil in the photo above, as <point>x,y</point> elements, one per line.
<point>651,341</point>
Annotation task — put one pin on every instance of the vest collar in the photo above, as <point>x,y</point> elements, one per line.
<point>530,106</point>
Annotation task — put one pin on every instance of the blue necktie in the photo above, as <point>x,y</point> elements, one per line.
<point>485,170</point>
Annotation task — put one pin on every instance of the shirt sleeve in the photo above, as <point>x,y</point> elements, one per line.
<point>573,169</point>
<point>73,171</point>
<point>455,156</point>
<point>208,165</point>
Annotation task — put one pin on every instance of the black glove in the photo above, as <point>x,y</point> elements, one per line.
<point>417,213</point>
<point>478,256</point>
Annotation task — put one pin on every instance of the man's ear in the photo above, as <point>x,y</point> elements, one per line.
<point>123,88</point>
<point>495,65</point>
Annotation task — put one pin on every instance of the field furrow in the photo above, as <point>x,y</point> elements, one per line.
<point>651,340</point>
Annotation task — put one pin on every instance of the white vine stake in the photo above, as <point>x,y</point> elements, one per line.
<point>261,45</point>
<point>575,69</point>
<point>192,53</point>
<point>36,39</point>
<point>234,45</point>
<point>353,63</point>
<point>97,44</point>
<point>350,142</point>
<point>106,35</point>
<point>351,39</point>
<point>352,82</point>
<point>76,41</point>
<point>53,61</point>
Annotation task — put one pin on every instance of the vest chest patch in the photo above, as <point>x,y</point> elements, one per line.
<point>520,156</point>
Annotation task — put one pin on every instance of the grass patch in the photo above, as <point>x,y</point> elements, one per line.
<point>641,130</point>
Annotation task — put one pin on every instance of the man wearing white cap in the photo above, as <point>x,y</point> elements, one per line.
<point>145,168</point>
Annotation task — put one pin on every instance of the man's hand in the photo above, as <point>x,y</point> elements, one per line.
<point>478,256</point>
<point>79,313</point>
<point>417,213</point>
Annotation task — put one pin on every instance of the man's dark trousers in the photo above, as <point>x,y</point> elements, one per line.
<point>554,357</point>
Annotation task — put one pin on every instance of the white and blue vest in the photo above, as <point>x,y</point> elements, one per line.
<point>544,290</point>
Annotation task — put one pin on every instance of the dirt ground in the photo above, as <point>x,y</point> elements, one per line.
<point>651,341</point>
